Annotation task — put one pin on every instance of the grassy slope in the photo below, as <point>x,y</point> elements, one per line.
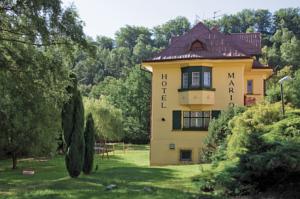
<point>129,171</point>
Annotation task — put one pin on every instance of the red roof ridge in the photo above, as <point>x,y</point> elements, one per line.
<point>248,42</point>
<point>218,45</point>
<point>191,30</point>
<point>180,36</point>
<point>244,33</point>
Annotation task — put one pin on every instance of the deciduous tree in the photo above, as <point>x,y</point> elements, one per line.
<point>108,119</point>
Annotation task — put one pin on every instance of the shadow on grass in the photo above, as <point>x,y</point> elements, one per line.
<point>52,181</point>
<point>129,192</point>
<point>116,171</point>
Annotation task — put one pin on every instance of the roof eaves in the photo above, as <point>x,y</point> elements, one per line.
<point>194,58</point>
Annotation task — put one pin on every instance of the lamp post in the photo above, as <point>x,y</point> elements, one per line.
<point>284,79</point>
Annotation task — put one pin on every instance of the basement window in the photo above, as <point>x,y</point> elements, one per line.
<point>185,155</point>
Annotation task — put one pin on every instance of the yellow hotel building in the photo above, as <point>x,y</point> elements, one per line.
<point>199,74</point>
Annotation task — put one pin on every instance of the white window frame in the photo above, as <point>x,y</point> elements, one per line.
<point>206,79</point>
<point>203,116</point>
<point>185,80</point>
<point>196,79</point>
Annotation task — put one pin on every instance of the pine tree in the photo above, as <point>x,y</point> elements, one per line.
<point>89,138</point>
<point>73,126</point>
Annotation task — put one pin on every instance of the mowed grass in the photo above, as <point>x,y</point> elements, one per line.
<point>130,171</point>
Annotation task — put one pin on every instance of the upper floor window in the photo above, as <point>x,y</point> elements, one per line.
<point>185,80</point>
<point>206,79</point>
<point>196,77</point>
<point>249,86</point>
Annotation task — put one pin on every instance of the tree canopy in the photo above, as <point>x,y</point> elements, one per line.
<point>108,119</point>
<point>34,73</point>
<point>39,23</point>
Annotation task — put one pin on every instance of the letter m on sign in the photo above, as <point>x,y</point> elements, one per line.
<point>230,75</point>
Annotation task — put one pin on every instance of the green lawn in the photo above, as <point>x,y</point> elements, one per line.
<point>130,172</point>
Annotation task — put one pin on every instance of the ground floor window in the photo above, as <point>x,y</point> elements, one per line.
<point>185,155</point>
<point>196,120</point>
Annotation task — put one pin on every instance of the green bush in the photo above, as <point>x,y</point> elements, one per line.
<point>219,129</point>
<point>248,128</point>
<point>89,138</point>
<point>263,153</point>
<point>291,88</point>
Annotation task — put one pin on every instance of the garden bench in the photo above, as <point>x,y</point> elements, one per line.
<point>103,148</point>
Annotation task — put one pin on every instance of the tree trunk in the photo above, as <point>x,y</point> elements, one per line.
<point>14,159</point>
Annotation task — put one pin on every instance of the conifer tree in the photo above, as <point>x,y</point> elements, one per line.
<point>73,126</point>
<point>89,138</point>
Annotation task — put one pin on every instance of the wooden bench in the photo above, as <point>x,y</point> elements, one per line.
<point>103,148</point>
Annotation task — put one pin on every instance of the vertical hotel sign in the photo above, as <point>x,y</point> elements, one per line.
<point>164,83</point>
<point>231,88</point>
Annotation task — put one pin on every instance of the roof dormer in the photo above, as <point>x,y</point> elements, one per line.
<point>197,45</point>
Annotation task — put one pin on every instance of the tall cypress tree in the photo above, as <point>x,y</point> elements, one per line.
<point>73,126</point>
<point>89,138</point>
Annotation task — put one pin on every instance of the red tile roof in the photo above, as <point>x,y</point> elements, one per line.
<point>216,45</point>
<point>257,65</point>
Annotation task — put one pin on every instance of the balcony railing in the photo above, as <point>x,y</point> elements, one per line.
<point>252,99</point>
<point>196,97</point>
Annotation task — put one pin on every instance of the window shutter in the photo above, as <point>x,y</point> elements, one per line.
<point>176,120</point>
<point>215,114</point>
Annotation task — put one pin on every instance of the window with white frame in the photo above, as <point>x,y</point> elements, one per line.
<point>196,119</point>
<point>206,79</point>
<point>195,79</point>
<point>185,80</point>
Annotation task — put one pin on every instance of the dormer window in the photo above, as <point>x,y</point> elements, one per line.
<point>197,46</point>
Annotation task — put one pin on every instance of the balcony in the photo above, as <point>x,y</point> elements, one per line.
<point>196,97</point>
<point>252,99</point>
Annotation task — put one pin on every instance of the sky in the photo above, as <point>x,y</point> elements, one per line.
<point>105,17</point>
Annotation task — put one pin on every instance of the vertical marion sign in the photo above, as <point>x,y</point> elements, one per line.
<point>231,88</point>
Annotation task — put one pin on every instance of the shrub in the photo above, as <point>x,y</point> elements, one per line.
<point>291,88</point>
<point>247,128</point>
<point>263,152</point>
<point>219,129</point>
<point>89,138</point>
